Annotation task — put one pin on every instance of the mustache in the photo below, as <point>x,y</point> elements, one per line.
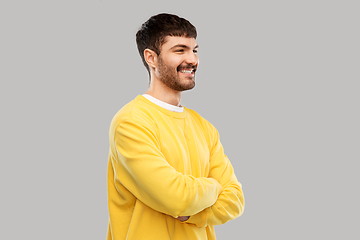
<point>192,67</point>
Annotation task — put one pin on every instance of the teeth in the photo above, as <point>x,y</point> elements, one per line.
<point>186,71</point>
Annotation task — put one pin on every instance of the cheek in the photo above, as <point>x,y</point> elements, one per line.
<point>175,62</point>
<point>172,63</point>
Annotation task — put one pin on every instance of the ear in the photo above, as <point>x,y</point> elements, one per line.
<point>150,57</point>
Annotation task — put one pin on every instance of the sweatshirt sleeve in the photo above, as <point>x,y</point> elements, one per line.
<point>230,203</point>
<point>140,166</point>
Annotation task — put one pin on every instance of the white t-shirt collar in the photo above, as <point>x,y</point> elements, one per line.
<point>164,104</point>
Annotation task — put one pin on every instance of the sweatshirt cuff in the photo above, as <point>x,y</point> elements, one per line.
<point>199,219</point>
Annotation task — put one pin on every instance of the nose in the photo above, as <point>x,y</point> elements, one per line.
<point>192,59</point>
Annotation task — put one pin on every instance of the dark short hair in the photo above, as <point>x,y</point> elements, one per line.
<point>153,32</point>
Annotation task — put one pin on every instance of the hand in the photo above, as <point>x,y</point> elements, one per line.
<point>183,219</point>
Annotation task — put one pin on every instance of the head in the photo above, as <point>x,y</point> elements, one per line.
<point>152,34</point>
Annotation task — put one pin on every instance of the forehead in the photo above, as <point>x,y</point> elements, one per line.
<point>171,41</point>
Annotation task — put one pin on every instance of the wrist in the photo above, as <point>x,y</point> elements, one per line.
<point>183,218</point>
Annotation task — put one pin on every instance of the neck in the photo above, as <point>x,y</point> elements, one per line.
<point>160,91</point>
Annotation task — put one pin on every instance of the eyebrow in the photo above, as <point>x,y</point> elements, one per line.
<point>183,46</point>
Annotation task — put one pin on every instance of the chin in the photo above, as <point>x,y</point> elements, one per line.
<point>189,87</point>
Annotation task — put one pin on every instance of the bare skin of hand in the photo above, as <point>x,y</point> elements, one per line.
<point>183,218</point>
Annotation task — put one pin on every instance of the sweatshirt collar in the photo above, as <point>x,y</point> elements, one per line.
<point>164,104</point>
<point>162,109</point>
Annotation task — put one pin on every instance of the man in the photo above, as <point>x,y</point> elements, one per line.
<point>168,176</point>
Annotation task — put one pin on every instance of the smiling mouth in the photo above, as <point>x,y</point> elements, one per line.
<point>187,71</point>
<point>190,70</point>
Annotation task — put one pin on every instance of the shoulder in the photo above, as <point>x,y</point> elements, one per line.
<point>208,129</point>
<point>201,120</point>
<point>136,112</point>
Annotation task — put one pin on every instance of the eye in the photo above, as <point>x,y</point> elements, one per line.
<point>195,51</point>
<point>180,50</point>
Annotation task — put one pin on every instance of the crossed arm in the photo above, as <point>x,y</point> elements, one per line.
<point>201,201</point>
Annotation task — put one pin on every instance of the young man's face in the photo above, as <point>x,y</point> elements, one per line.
<point>177,63</point>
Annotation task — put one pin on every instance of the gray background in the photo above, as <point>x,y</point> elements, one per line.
<point>279,80</point>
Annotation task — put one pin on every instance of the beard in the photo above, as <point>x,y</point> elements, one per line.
<point>171,78</point>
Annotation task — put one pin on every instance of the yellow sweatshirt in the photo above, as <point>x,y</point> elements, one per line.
<point>165,164</point>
